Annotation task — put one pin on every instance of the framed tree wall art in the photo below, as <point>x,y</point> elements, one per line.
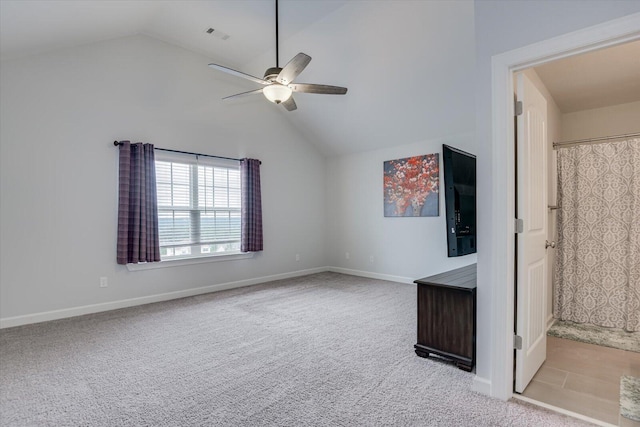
<point>411,186</point>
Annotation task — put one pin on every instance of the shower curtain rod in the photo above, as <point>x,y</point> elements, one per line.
<point>592,140</point>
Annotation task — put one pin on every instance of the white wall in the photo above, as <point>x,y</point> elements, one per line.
<point>501,26</point>
<point>614,120</point>
<point>404,249</point>
<point>61,112</point>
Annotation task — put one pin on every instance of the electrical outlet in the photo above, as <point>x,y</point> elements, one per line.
<point>371,259</point>
<point>297,257</point>
<point>104,282</point>
<point>346,255</point>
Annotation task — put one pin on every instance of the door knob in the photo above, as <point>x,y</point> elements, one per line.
<point>547,244</point>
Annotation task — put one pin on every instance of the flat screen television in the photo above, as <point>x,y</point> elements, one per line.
<point>460,200</point>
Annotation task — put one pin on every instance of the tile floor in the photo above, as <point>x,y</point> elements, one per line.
<point>584,378</point>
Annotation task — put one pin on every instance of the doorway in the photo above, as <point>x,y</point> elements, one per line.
<point>502,269</point>
<point>577,377</point>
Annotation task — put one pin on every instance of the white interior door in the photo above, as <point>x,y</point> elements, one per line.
<point>532,210</point>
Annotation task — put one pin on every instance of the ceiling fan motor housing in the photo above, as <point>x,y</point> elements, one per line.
<point>271,73</point>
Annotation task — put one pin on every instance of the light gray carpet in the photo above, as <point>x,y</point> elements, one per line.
<point>592,334</point>
<point>325,349</point>
<point>630,397</point>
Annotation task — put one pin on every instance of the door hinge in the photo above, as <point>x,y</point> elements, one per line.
<point>519,225</point>
<point>518,108</point>
<point>517,342</point>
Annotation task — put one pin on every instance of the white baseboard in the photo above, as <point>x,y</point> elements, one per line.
<point>371,275</point>
<point>481,385</point>
<point>9,322</point>
<point>550,321</point>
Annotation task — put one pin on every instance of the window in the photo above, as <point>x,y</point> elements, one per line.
<point>198,206</point>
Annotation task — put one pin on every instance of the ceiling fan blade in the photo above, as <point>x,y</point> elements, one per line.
<point>293,68</point>
<point>239,74</point>
<point>240,95</point>
<point>289,104</point>
<point>312,88</point>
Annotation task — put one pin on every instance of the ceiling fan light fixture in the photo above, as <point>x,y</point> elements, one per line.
<point>277,93</point>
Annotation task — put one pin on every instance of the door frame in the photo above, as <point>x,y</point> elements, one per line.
<point>502,249</point>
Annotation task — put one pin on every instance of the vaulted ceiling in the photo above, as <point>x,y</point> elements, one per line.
<point>35,26</point>
<point>409,65</point>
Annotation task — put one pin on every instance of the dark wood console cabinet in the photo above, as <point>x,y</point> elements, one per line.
<point>447,316</point>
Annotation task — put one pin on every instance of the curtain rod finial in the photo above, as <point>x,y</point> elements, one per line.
<point>116,143</point>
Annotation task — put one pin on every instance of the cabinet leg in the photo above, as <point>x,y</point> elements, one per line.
<point>464,366</point>
<point>422,353</point>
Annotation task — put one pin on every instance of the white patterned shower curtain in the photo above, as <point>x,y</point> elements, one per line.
<point>598,257</point>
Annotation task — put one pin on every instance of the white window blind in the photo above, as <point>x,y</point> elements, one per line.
<point>198,205</point>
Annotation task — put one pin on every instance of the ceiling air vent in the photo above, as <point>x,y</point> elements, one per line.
<point>217,33</point>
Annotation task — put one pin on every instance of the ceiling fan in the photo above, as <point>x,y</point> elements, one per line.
<point>278,82</point>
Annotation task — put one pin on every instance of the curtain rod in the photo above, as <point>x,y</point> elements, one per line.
<point>116,143</point>
<point>593,140</point>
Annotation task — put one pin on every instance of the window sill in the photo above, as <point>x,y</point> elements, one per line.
<point>189,261</point>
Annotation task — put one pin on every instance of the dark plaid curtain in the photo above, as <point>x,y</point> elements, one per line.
<point>138,239</point>
<point>251,230</point>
